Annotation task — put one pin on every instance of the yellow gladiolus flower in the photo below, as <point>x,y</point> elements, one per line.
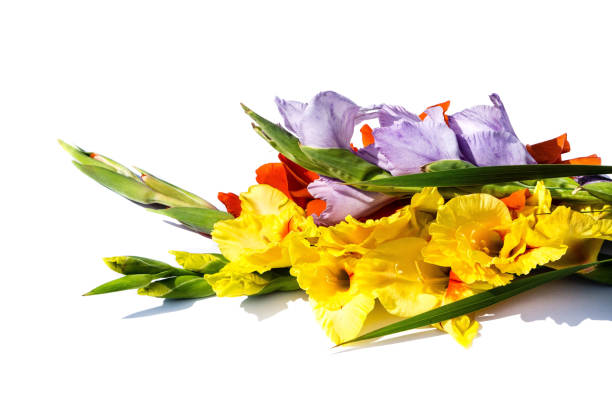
<point>476,237</point>
<point>582,233</point>
<point>396,274</point>
<point>267,226</point>
<point>337,302</point>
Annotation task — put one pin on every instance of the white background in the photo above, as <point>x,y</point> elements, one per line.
<point>158,85</point>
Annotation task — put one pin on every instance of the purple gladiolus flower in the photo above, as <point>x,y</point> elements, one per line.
<point>486,137</point>
<point>328,121</point>
<point>410,143</point>
<point>343,200</point>
<point>403,143</point>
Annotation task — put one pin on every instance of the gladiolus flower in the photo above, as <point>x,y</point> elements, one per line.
<point>260,237</point>
<point>476,237</point>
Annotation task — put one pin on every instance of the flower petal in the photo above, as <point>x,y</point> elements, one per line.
<point>407,145</point>
<point>342,200</point>
<point>327,121</point>
<point>388,115</point>
<point>486,137</point>
<point>346,322</point>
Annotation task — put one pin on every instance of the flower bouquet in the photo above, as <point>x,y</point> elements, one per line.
<point>435,216</point>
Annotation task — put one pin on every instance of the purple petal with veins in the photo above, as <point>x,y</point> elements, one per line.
<point>407,145</point>
<point>342,200</point>
<point>388,115</point>
<point>327,121</point>
<point>486,137</point>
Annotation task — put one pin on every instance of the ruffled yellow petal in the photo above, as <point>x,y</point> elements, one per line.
<point>539,202</point>
<point>582,233</point>
<point>262,199</point>
<point>343,323</point>
<point>268,226</point>
<point>467,236</point>
<point>353,236</point>
<point>516,258</point>
<point>205,263</point>
<point>424,206</point>
<point>236,280</point>
<point>396,274</point>
<point>428,200</point>
<point>463,329</point>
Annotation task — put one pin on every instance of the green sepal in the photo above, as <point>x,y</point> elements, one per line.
<point>82,156</point>
<point>181,287</point>
<point>188,199</point>
<point>479,301</point>
<point>132,265</point>
<point>280,284</point>
<point>201,263</point>
<point>127,187</point>
<point>199,219</point>
<point>447,164</point>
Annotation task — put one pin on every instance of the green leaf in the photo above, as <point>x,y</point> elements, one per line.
<point>200,219</point>
<point>602,274</point>
<point>181,287</point>
<point>479,176</point>
<point>343,164</point>
<point>281,140</point>
<point>478,301</point>
<point>132,265</point>
<point>202,263</point>
<point>126,282</point>
<point>561,188</point>
<point>601,190</point>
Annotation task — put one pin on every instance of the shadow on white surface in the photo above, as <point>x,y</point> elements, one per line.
<point>262,307</point>
<point>168,306</point>
<point>267,306</point>
<point>570,301</point>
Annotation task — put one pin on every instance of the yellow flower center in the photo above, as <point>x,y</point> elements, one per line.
<point>342,280</point>
<point>482,239</point>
